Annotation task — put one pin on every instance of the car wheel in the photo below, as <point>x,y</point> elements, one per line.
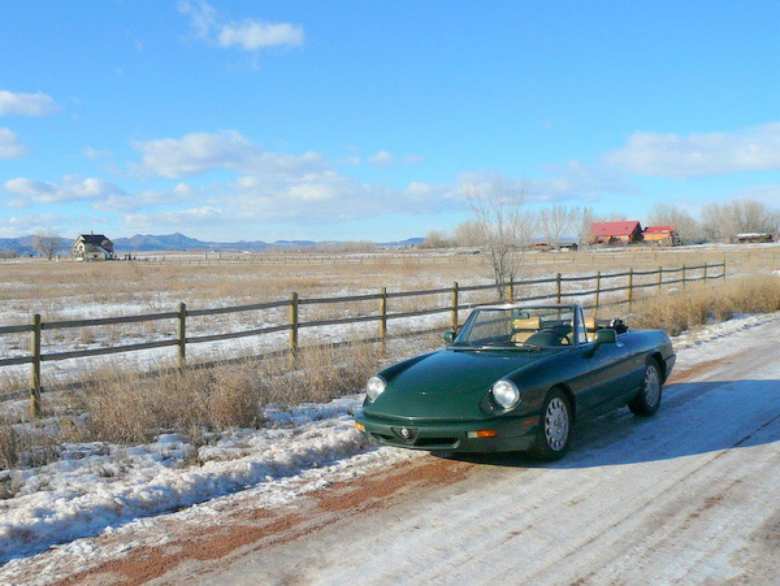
<point>648,400</point>
<point>554,433</point>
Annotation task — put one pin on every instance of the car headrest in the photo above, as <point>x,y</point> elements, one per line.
<point>590,324</point>
<point>530,323</point>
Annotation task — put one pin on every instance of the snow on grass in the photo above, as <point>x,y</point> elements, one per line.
<point>96,486</point>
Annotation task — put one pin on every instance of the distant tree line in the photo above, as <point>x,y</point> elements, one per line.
<point>717,223</point>
<point>504,228</point>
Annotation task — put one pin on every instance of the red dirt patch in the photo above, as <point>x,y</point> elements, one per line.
<point>263,528</point>
<point>372,491</point>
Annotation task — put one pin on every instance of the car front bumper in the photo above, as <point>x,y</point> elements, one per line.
<point>511,433</point>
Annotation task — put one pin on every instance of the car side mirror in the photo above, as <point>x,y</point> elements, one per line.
<point>448,336</point>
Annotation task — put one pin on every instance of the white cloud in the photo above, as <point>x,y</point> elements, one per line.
<point>10,147</point>
<point>205,215</point>
<point>71,188</point>
<point>571,182</point>
<point>272,187</point>
<point>180,193</point>
<point>16,104</point>
<point>193,153</point>
<point>94,154</point>
<point>250,34</point>
<point>200,152</point>
<point>755,148</point>
<point>381,158</point>
<point>384,158</point>
<point>182,190</point>
<point>17,226</point>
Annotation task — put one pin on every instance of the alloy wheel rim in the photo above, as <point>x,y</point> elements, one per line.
<point>556,424</point>
<point>652,386</point>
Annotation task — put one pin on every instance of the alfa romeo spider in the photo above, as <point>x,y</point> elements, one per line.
<point>516,378</point>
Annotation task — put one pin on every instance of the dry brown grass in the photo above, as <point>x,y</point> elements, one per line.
<point>132,408</point>
<point>36,284</point>
<point>129,408</point>
<point>9,447</point>
<point>700,304</point>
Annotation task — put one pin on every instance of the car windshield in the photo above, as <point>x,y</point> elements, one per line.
<point>524,328</point>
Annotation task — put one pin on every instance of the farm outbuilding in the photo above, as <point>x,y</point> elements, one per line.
<point>92,247</point>
<point>617,233</point>
<point>749,237</point>
<point>661,236</point>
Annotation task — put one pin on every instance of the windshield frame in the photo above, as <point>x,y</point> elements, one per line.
<point>578,325</point>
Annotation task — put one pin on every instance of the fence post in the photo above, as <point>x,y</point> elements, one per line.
<point>724,268</point>
<point>630,288</point>
<point>35,378</point>
<point>598,293</point>
<point>293,324</point>
<point>660,279</point>
<point>685,276</point>
<point>511,289</point>
<point>706,266</point>
<point>383,314</point>
<point>454,310</point>
<point>181,336</point>
<point>558,287</point>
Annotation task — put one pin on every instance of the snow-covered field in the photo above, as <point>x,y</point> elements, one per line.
<point>61,516</point>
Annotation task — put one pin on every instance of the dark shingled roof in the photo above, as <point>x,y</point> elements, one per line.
<point>97,240</point>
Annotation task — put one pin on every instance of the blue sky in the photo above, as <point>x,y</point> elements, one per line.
<point>367,120</point>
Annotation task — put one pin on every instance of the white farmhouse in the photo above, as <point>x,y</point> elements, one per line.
<point>93,247</point>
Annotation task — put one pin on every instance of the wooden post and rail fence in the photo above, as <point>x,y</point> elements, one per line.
<point>38,327</point>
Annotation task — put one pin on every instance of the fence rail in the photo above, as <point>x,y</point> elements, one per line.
<point>37,327</point>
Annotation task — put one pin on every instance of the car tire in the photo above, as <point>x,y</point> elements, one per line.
<point>648,400</point>
<point>553,435</point>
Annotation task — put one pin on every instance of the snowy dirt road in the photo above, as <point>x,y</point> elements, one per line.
<point>691,496</point>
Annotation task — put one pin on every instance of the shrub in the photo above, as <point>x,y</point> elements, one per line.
<point>699,304</point>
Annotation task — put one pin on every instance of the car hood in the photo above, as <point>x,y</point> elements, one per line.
<point>447,385</point>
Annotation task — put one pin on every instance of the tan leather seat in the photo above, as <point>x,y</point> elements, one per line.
<point>590,325</point>
<point>522,329</point>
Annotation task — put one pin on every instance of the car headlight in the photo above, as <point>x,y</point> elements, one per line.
<point>506,394</point>
<point>375,387</point>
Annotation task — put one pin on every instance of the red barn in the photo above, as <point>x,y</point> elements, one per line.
<point>621,232</point>
<point>661,235</point>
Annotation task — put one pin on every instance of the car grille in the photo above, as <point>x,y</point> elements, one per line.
<point>417,442</point>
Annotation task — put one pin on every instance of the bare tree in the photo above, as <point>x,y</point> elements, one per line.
<point>436,239</point>
<point>724,222</point>
<point>469,233</point>
<point>507,231</point>
<point>585,226</point>
<point>687,228</point>
<point>46,244</point>
<point>556,221</point>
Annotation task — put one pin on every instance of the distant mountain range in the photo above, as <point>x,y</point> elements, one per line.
<point>180,242</point>
<point>24,245</point>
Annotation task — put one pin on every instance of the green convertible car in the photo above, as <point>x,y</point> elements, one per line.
<point>516,378</point>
